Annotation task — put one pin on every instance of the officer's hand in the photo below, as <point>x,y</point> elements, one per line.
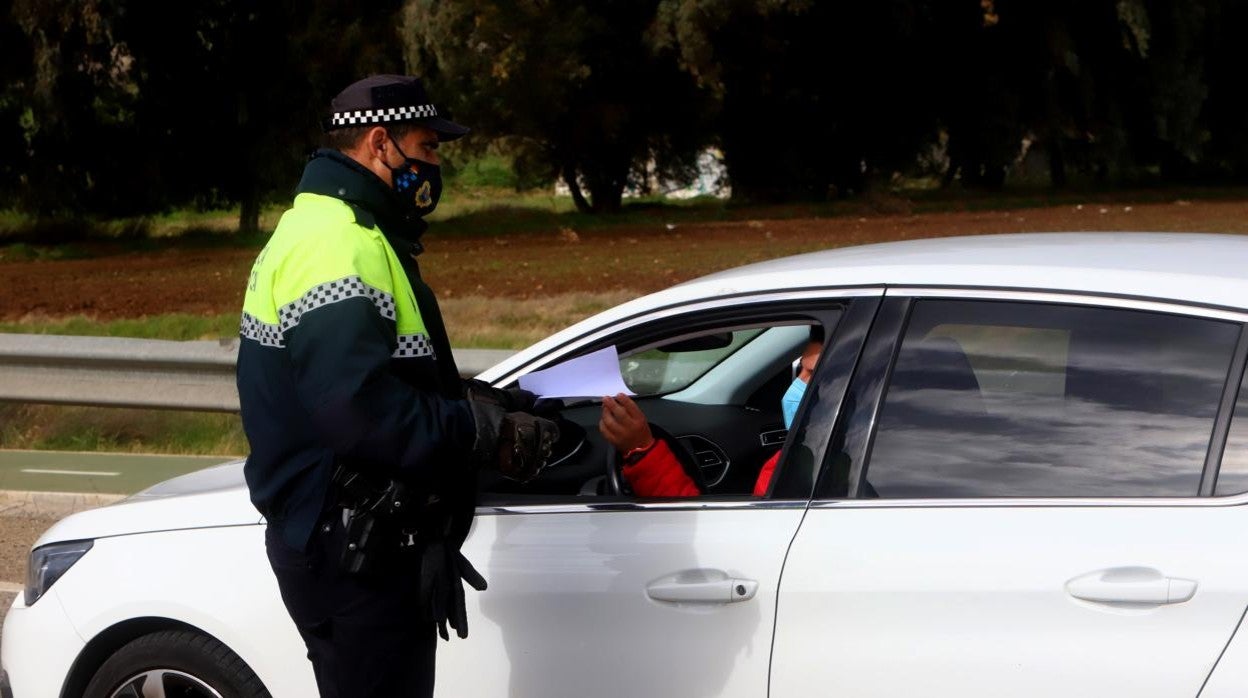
<point>511,399</point>
<point>524,445</point>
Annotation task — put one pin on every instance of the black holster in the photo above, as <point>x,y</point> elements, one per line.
<point>377,522</point>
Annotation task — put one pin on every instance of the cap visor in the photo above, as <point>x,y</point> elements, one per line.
<point>447,130</point>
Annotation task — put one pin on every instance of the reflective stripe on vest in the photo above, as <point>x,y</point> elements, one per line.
<point>320,255</point>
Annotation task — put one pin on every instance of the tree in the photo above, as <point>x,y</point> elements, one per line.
<point>15,73</point>
<point>811,95</point>
<point>78,103</point>
<point>139,105</point>
<point>575,85</point>
<point>1227,105</point>
<point>232,94</point>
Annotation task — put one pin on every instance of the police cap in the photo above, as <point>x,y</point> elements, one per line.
<point>387,99</point>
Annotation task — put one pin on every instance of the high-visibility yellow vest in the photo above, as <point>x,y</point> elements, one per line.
<point>320,254</point>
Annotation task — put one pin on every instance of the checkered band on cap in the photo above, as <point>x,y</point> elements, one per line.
<point>251,327</point>
<point>380,116</point>
<point>413,346</point>
<point>332,292</point>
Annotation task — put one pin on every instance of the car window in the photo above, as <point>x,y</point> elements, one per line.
<point>714,390</point>
<point>1233,473</point>
<point>676,364</point>
<point>1004,399</point>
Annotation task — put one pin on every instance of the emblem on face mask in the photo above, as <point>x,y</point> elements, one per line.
<point>424,195</point>
<point>418,183</point>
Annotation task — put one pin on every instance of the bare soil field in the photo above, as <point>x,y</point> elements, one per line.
<point>112,280</point>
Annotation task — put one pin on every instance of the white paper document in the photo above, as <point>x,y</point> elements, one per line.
<point>592,375</point>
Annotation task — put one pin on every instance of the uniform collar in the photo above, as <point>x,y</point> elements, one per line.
<point>331,173</point>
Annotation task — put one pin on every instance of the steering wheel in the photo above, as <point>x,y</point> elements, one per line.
<point>617,484</point>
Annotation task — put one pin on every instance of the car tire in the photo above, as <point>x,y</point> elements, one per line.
<point>189,664</point>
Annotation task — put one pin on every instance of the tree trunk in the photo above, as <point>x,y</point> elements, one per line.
<point>1057,162</point>
<point>249,213</point>
<point>608,197</point>
<point>578,198</point>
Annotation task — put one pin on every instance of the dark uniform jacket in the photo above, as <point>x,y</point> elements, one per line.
<point>344,357</point>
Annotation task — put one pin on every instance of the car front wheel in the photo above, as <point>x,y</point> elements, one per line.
<point>175,664</point>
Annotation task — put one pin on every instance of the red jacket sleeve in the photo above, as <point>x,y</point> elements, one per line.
<point>658,474</point>
<point>764,475</point>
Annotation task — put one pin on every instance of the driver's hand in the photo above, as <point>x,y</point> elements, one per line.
<point>623,424</point>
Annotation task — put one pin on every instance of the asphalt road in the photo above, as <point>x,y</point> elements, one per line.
<point>107,473</point>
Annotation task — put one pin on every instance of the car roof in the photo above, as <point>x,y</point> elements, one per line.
<point>1197,268</point>
<point>1194,268</point>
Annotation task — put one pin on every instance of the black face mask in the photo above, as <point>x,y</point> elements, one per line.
<point>421,188</point>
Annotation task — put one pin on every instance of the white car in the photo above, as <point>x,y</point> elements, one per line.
<point>1015,472</point>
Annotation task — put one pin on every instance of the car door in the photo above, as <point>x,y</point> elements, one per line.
<point>1019,502</point>
<point>595,595</point>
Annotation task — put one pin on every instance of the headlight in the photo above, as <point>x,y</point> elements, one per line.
<point>48,563</point>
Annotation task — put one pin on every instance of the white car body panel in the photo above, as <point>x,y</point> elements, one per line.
<point>220,499</point>
<point>1231,675</point>
<point>567,599</point>
<point>163,575</point>
<point>39,646</point>
<point>567,613</point>
<point>972,600</point>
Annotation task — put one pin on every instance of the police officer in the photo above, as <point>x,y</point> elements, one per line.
<point>364,440</point>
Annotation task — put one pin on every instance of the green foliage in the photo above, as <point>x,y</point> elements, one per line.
<point>138,105</point>
<point>136,108</point>
<point>491,171</point>
<point>813,97</point>
<point>576,87</point>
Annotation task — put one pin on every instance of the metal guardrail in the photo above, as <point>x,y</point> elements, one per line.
<point>153,373</point>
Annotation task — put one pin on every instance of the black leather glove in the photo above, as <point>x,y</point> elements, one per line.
<point>525,442</point>
<point>442,568</point>
<point>516,444</point>
<point>511,399</point>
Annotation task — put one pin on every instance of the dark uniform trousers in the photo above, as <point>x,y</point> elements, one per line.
<point>365,633</point>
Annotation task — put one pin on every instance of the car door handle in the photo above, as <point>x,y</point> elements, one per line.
<point>1134,585</point>
<point>701,586</point>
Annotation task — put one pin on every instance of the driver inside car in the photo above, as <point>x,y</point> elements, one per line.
<point>652,468</point>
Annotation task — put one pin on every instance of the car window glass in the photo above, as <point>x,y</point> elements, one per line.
<point>1033,400</point>
<point>675,365</point>
<point>1233,474</point>
<point>716,419</point>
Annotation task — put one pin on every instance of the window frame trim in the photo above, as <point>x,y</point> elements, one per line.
<point>595,337</point>
<point>1222,424</point>
<point>885,340</point>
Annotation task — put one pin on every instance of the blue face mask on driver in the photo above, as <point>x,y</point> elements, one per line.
<point>792,398</point>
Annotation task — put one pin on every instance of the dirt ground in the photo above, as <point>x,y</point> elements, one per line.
<point>17,534</point>
<point>113,281</point>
